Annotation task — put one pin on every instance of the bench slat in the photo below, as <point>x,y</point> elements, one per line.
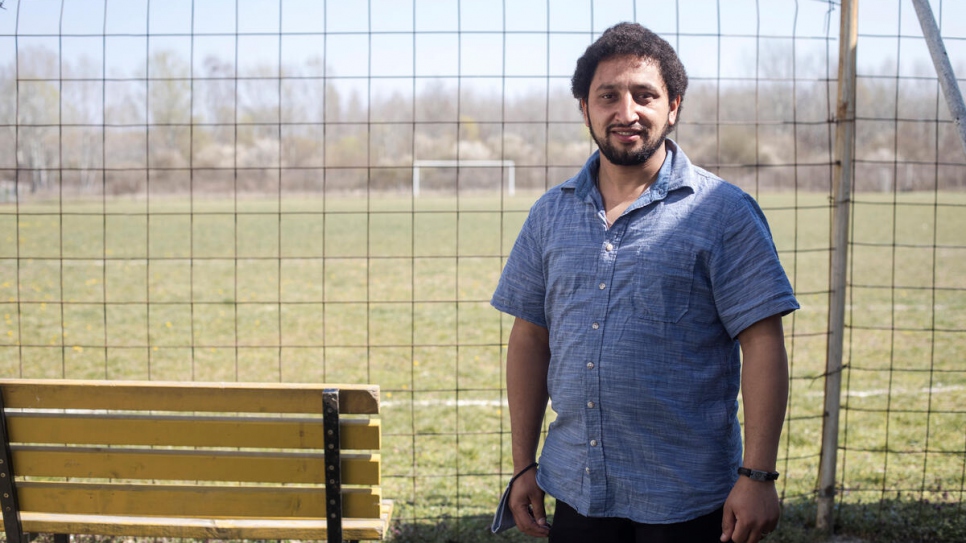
<point>189,465</point>
<point>353,529</point>
<point>257,502</point>
<point>181,431</point>
<point>185,396</point>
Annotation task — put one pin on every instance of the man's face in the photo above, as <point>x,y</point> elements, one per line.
<point>628,110</point>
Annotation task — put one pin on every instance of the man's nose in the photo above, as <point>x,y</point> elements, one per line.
<point>627,110</point>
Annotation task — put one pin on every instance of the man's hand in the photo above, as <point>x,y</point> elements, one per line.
<point>751,511</point>
<point>526,504</point>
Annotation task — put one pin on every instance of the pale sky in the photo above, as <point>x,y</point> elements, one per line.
<point>486,41</point>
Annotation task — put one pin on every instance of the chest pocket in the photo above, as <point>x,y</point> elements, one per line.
<point>665,280</point>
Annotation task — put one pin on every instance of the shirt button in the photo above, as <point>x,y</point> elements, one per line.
<point>587,469</point>
<point>590,405</point>
<point>602,286</point>
<point>609,247</point>
<point>595,326</point>
<point>590,365</point>
<point>593,442</point>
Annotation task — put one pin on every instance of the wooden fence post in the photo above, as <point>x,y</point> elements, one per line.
<point>841,203</point>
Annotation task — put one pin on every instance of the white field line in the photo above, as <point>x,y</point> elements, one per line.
<point>897,391</point>
<point>443,403</point>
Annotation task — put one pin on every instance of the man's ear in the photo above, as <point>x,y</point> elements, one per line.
<point>583,111</point>
<point>674,106</point>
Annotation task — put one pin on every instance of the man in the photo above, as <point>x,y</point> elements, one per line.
<point>645,291</point>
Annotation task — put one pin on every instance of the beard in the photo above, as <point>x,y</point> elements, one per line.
<point>630,157</point>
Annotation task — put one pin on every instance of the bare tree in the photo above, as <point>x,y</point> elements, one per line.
<point>38,114</point>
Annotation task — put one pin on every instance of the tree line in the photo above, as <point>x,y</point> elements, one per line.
<point>178,129</point>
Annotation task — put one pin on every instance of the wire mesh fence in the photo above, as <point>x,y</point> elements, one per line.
<point>226,190</point>
<point>903,398</point>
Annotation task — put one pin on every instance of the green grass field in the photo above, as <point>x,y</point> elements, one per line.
<point>395,291</point>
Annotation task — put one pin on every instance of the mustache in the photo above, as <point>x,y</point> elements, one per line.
<point>632,126</point>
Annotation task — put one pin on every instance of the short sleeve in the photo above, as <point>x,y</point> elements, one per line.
<point>522,287</point>
<point>748,280</point>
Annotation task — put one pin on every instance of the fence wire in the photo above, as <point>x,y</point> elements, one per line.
<point>224,190</point>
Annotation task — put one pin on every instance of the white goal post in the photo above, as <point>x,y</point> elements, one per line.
<point>508,164</point>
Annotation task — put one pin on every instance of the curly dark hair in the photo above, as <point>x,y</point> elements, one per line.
<point>630,39</point>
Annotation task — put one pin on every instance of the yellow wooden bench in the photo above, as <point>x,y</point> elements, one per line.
<point>191,460</point>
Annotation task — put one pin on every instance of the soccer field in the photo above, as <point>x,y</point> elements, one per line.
<point>395,291</point>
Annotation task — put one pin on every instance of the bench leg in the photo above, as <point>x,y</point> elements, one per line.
<point>61,538</point>
<point>333,464</point>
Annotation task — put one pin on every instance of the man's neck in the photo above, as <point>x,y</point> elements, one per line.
<point>623,184</point>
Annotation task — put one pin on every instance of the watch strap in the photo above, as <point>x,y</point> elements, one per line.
<point>758,475</point>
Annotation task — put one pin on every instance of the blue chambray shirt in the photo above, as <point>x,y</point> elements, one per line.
<point>643,318</point>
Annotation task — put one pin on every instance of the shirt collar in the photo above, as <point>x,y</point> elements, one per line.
<point>674,174</point>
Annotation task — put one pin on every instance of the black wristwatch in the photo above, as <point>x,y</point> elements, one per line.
<point>758,475</point>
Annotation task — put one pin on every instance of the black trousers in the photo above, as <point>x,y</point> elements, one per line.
<point>569,526</point>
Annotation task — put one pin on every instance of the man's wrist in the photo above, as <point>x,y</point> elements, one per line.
<point>523,456</point>
<point>527,468</point>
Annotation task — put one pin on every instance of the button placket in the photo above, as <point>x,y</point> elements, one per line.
<point>593,415</point>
